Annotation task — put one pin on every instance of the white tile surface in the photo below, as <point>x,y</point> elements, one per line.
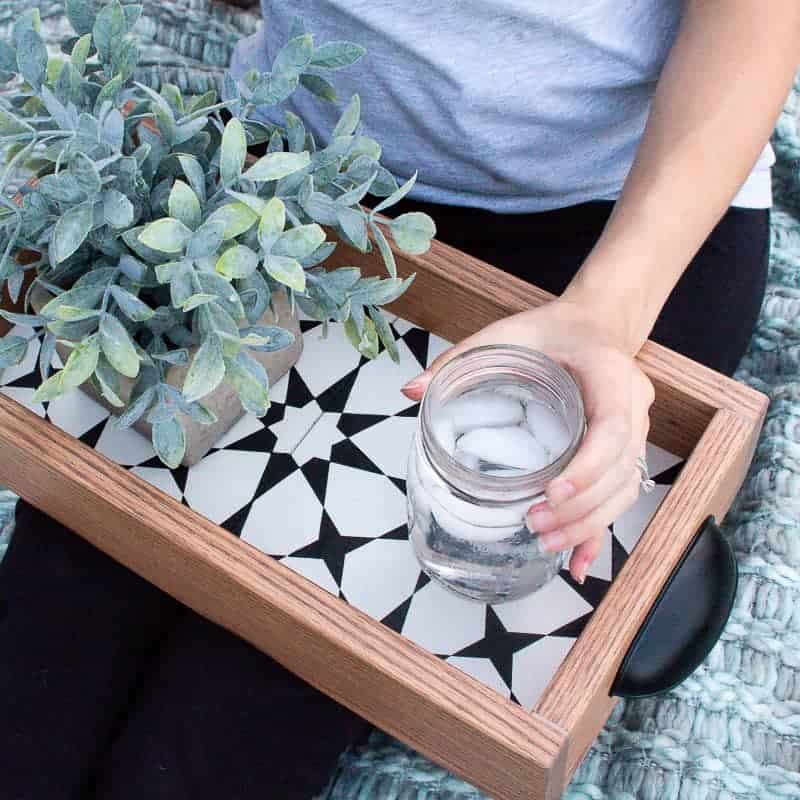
<point>362,503</point>
<point>284,519</point>
<point>379,576</point>
<point>442,622</point>
<point>223,482</point>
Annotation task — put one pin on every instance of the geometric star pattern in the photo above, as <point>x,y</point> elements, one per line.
<point>319,482</point>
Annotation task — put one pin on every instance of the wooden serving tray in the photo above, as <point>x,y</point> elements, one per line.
<point>490,740</point>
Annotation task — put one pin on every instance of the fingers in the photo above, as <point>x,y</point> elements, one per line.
<point>584,554</point>
<point>594,523</point>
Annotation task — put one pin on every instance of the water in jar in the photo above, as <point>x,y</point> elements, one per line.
<point>480,549</point>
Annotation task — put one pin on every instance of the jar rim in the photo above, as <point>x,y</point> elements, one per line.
<point>494,488</point>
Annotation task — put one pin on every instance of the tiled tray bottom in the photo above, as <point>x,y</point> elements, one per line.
<point>319,483</point>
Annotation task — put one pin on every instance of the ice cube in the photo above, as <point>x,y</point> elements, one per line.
<point>507,447</point>
<point>444,432</point>
<point>549,429</point>
<point>467,460</point>
<point>483,409</point>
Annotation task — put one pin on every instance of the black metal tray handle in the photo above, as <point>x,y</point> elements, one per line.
<point>686,620</point>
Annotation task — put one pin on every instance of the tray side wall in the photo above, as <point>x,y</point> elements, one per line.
<point>578,696</point>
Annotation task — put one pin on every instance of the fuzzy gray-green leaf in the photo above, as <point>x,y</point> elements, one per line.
<point>184,205</point>
<point>169,441</point>
<point>166,235</point>
<point>81,15</point>
<point>117,209</point>
<point>299,242</point>
<point>81,363</point>
<point>233,152</point>
<point>12,351</point>
<point>348,122</point>
<point>71,231</point>
<point>286,271</point>
<point>237,262</point>
<point>249,380</point>
<point>118,347</point>
<point>32,58</point>
<point>413,232</point>
<point>274,166</point>
<point>130,305</point>
<point>337,55</point>
<point>206,372</point>
<point>317,85</point>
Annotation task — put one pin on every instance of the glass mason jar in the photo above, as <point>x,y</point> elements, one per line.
<point>467,523</point>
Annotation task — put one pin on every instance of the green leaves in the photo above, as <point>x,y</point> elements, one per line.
<point>207,239</point>
<point>286,271</point>
<point>166,235</point>
<point>397,196</point>
<point>130,305</point>
<point>117,209</point>
<point>299,242</point>
<point>51,389</point>
<point>12,351</point>
<point>118,347</point>
<point>348,122</point>
<point>294,56</point>
<point>317,85</point>
<point>233,152</point>
<point>274,166</point>
<point>272,223</point>
<point>213,244</point>
<point>236,218</point>
<point>80,52</point>
<point>81,15</point>
<point>337,55</point>
<point>81,363</point>
<point>237,262</point>
<point>184,205</point>
<point>413,232</point>
<point>169,441</point>
<point>206,372</point>
<point>32,58</point>
<point>250,382</point>
<point>71,231</point>
<point>108,30</point>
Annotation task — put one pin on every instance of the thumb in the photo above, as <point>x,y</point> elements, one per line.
<point>416,387</point>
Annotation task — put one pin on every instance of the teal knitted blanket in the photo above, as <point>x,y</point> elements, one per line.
<point>732,731</point>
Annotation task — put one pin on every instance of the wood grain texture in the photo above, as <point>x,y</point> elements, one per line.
<point>455,295</point>
<point>405,690</point>
<point>577,698</point>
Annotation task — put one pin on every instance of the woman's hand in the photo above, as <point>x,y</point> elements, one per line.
<point>602,480</point>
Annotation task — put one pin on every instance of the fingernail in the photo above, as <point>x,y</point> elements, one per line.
<point>554,540</point>
<point>412,386</point>
<point>541,521</point>
<point>580,573</point>
<point>559,492</point>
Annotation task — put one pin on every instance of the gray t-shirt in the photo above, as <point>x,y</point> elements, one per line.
<point>511,105</point>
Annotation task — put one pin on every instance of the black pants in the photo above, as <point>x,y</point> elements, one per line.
<point>111,690</point>
<point>710,315</point>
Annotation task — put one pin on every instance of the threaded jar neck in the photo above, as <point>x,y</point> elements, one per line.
<point>500,365</point>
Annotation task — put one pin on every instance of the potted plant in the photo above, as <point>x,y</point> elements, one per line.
<point>163,264</point>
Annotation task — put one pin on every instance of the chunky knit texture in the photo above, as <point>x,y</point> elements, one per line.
<point>730,732</point>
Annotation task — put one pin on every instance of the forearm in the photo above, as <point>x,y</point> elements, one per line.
<point>719,95</point>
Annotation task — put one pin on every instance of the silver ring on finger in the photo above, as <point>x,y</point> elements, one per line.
<point>647,484</point>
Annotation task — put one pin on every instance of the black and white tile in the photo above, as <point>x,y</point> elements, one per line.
<point>320,484</point>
